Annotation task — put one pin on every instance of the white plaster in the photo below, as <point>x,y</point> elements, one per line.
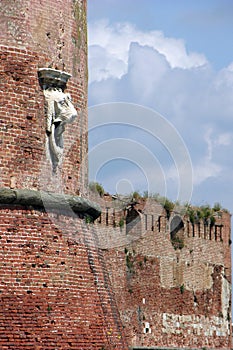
<point>199,325</point>
<point>226,294</point>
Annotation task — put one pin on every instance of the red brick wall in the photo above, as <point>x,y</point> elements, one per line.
<point>170,297</point>
<point>54,288</point>
<point>36,34</point>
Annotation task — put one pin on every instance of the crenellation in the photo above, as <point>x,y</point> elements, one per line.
<point>171,276</point>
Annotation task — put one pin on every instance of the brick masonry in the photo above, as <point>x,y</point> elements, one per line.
<point>64,282</point>
<point>38,34</point>
<point>168,295</point>
<point>55,291</point>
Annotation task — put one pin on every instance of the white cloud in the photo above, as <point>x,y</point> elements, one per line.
<point>230,67</point>
<point>149,69</point>
<point>224,139</point>
<point>206,167</point>
<point>205,170</point>
<point>210,166</point>
<point>103,64</point>
<point>116,39</point>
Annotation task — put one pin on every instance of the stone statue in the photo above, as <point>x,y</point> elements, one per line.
<point>60,111</point>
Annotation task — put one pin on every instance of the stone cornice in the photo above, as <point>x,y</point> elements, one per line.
<point>49,201</point>
<point>49,77</point>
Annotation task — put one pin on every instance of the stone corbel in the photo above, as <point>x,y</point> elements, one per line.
<point>59,111</point>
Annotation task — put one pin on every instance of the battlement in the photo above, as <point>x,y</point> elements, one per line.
<point>139,217</point>
<point>170,271</point>
<point>127,219</point>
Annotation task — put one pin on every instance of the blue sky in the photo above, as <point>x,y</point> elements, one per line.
<point>173,59</point>
<point>205,26</point>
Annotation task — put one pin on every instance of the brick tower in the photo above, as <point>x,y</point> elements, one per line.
<point>54,287</point>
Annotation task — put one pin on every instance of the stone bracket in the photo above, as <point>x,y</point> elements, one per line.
<point>49,78</point>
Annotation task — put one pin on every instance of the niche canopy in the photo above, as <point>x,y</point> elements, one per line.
<point>49,77</point>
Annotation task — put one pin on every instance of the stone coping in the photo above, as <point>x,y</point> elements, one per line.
<point>49,201</point>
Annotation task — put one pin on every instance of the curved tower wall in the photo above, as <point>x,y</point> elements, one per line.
<point>54,287</point>
<point>33,35</point>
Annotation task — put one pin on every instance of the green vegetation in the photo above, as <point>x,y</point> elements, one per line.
<point>168,206</point>
<point>97,188</point>
<point>217,207</point>
<point>191,214</point>
<point>88,219</point>
<point>136,195</point>
<point>121,222</point>
<point>129,260</point>
<point>49,309</point>
<point>196,214</point>
<point>203,213</point>
<point>177,242</point>
<point>182,289</point>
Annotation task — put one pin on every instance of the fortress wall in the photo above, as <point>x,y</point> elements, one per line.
<point>169,296</point>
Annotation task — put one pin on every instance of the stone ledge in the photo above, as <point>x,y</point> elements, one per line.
<point>49,201</point>
<point>49,77</point>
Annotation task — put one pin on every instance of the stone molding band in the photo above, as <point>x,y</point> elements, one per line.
<point>49,201</point>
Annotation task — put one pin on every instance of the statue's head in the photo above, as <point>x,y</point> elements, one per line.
<point>61,106</point>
